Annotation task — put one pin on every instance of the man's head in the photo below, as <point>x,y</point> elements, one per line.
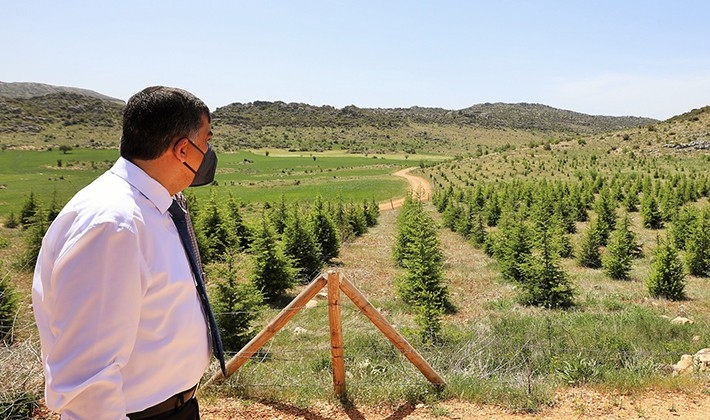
<point>156,117</point>
<point>166,132</point>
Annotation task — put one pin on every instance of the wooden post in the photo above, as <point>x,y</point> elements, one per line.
<point>336,333</point>
<point>396,338</point>
<point>268,332</point>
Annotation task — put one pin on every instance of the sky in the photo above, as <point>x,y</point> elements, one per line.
<point>609,57</point>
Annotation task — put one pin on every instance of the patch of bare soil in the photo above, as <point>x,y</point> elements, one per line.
<point>578,403</point>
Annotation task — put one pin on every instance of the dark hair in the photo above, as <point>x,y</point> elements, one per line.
<point>155,117</point>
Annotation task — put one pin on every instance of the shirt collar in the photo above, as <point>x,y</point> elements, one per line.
<point>149,187</point>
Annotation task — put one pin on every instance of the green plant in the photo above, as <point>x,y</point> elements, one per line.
<point>580,371</point>
<point>618,258</point>
<point>272,272</point>
<point>9,306</point>
<point>324,230</point>
<point>236,305</point>
<point>697,246</point>
<point>589,255</point>
<point>300,245</point>
<point>667,279</point>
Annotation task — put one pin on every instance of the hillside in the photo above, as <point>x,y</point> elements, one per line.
<point>499,115</point>
<point>61,109</point>
<point>29,90</point>
<point>82,118</point>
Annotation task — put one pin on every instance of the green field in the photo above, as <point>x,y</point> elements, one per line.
<point>250,176</point>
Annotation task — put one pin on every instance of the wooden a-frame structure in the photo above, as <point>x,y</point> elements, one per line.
<point>335,283</point>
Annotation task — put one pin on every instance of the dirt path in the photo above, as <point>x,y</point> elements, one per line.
<point>571,404</point>
<point>417,185</point>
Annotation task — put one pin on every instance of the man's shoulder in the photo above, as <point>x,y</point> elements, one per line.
<point>108,199</point>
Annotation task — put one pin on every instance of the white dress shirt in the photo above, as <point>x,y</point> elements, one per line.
<point>120,322</point>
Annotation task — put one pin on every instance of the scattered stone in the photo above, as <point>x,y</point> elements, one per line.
<point>299,330</point>
<point>701,360</point>
<point>684,366</point>
<point>311,304</point>
<point>679,320</point>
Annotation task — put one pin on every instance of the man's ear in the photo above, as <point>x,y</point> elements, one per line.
<point>180,149</point>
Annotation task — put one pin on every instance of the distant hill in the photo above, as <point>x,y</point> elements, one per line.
<point>57,111</point>
<point>28,90</point>
<point>498,115</point>
<point>35,115</point>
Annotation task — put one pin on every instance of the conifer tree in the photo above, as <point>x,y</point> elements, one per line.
<point>422,284</point>
<point>589,255</point>
<point>37,228</point>
<point>442,200</point>
<point>300,245</point>
<point>577,205</point>
<point>53,209</point>
<point>236,306</point>
<point>340,217</point>
<point>477,232</point>
<point>682,225</point>
<point>547,284</point>
<point>650,214</point>
<point>697,246</point>
<point>240,231</point>
<point>404,229</point>
<point>272,272</point>
<point>9,305</point>
<point>279,216</point>
<point>29,209</point>
<point>667,279</point>
<point>513,250</point>
<point>192,204</point>
<point>356,219</point>
<point>371,211</point>
<point>451,216</point>
<point>325,231</point>
<point>11,221</point>
<point>217,237</point>
<point>618,258</point>
<point>606,217</point>
<point>631,201</point>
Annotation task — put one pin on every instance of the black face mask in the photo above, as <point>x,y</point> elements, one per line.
<point>205,173</point>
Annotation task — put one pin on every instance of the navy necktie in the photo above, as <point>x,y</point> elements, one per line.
<point>178,214</point>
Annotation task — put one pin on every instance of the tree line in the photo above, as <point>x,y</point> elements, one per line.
<point>527,227</point>
<point>286,244</point>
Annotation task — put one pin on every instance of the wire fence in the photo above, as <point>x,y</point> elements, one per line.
<point>296,363</point>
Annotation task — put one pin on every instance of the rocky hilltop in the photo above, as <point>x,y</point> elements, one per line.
<point>523,116</point>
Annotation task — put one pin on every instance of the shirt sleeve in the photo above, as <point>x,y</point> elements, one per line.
<point>97,290</point>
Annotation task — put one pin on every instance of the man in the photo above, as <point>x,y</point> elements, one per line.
<point>121,325</point>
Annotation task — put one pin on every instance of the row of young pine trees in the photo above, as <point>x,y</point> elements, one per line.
<point>288,244</point>
<point>527,227</point>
